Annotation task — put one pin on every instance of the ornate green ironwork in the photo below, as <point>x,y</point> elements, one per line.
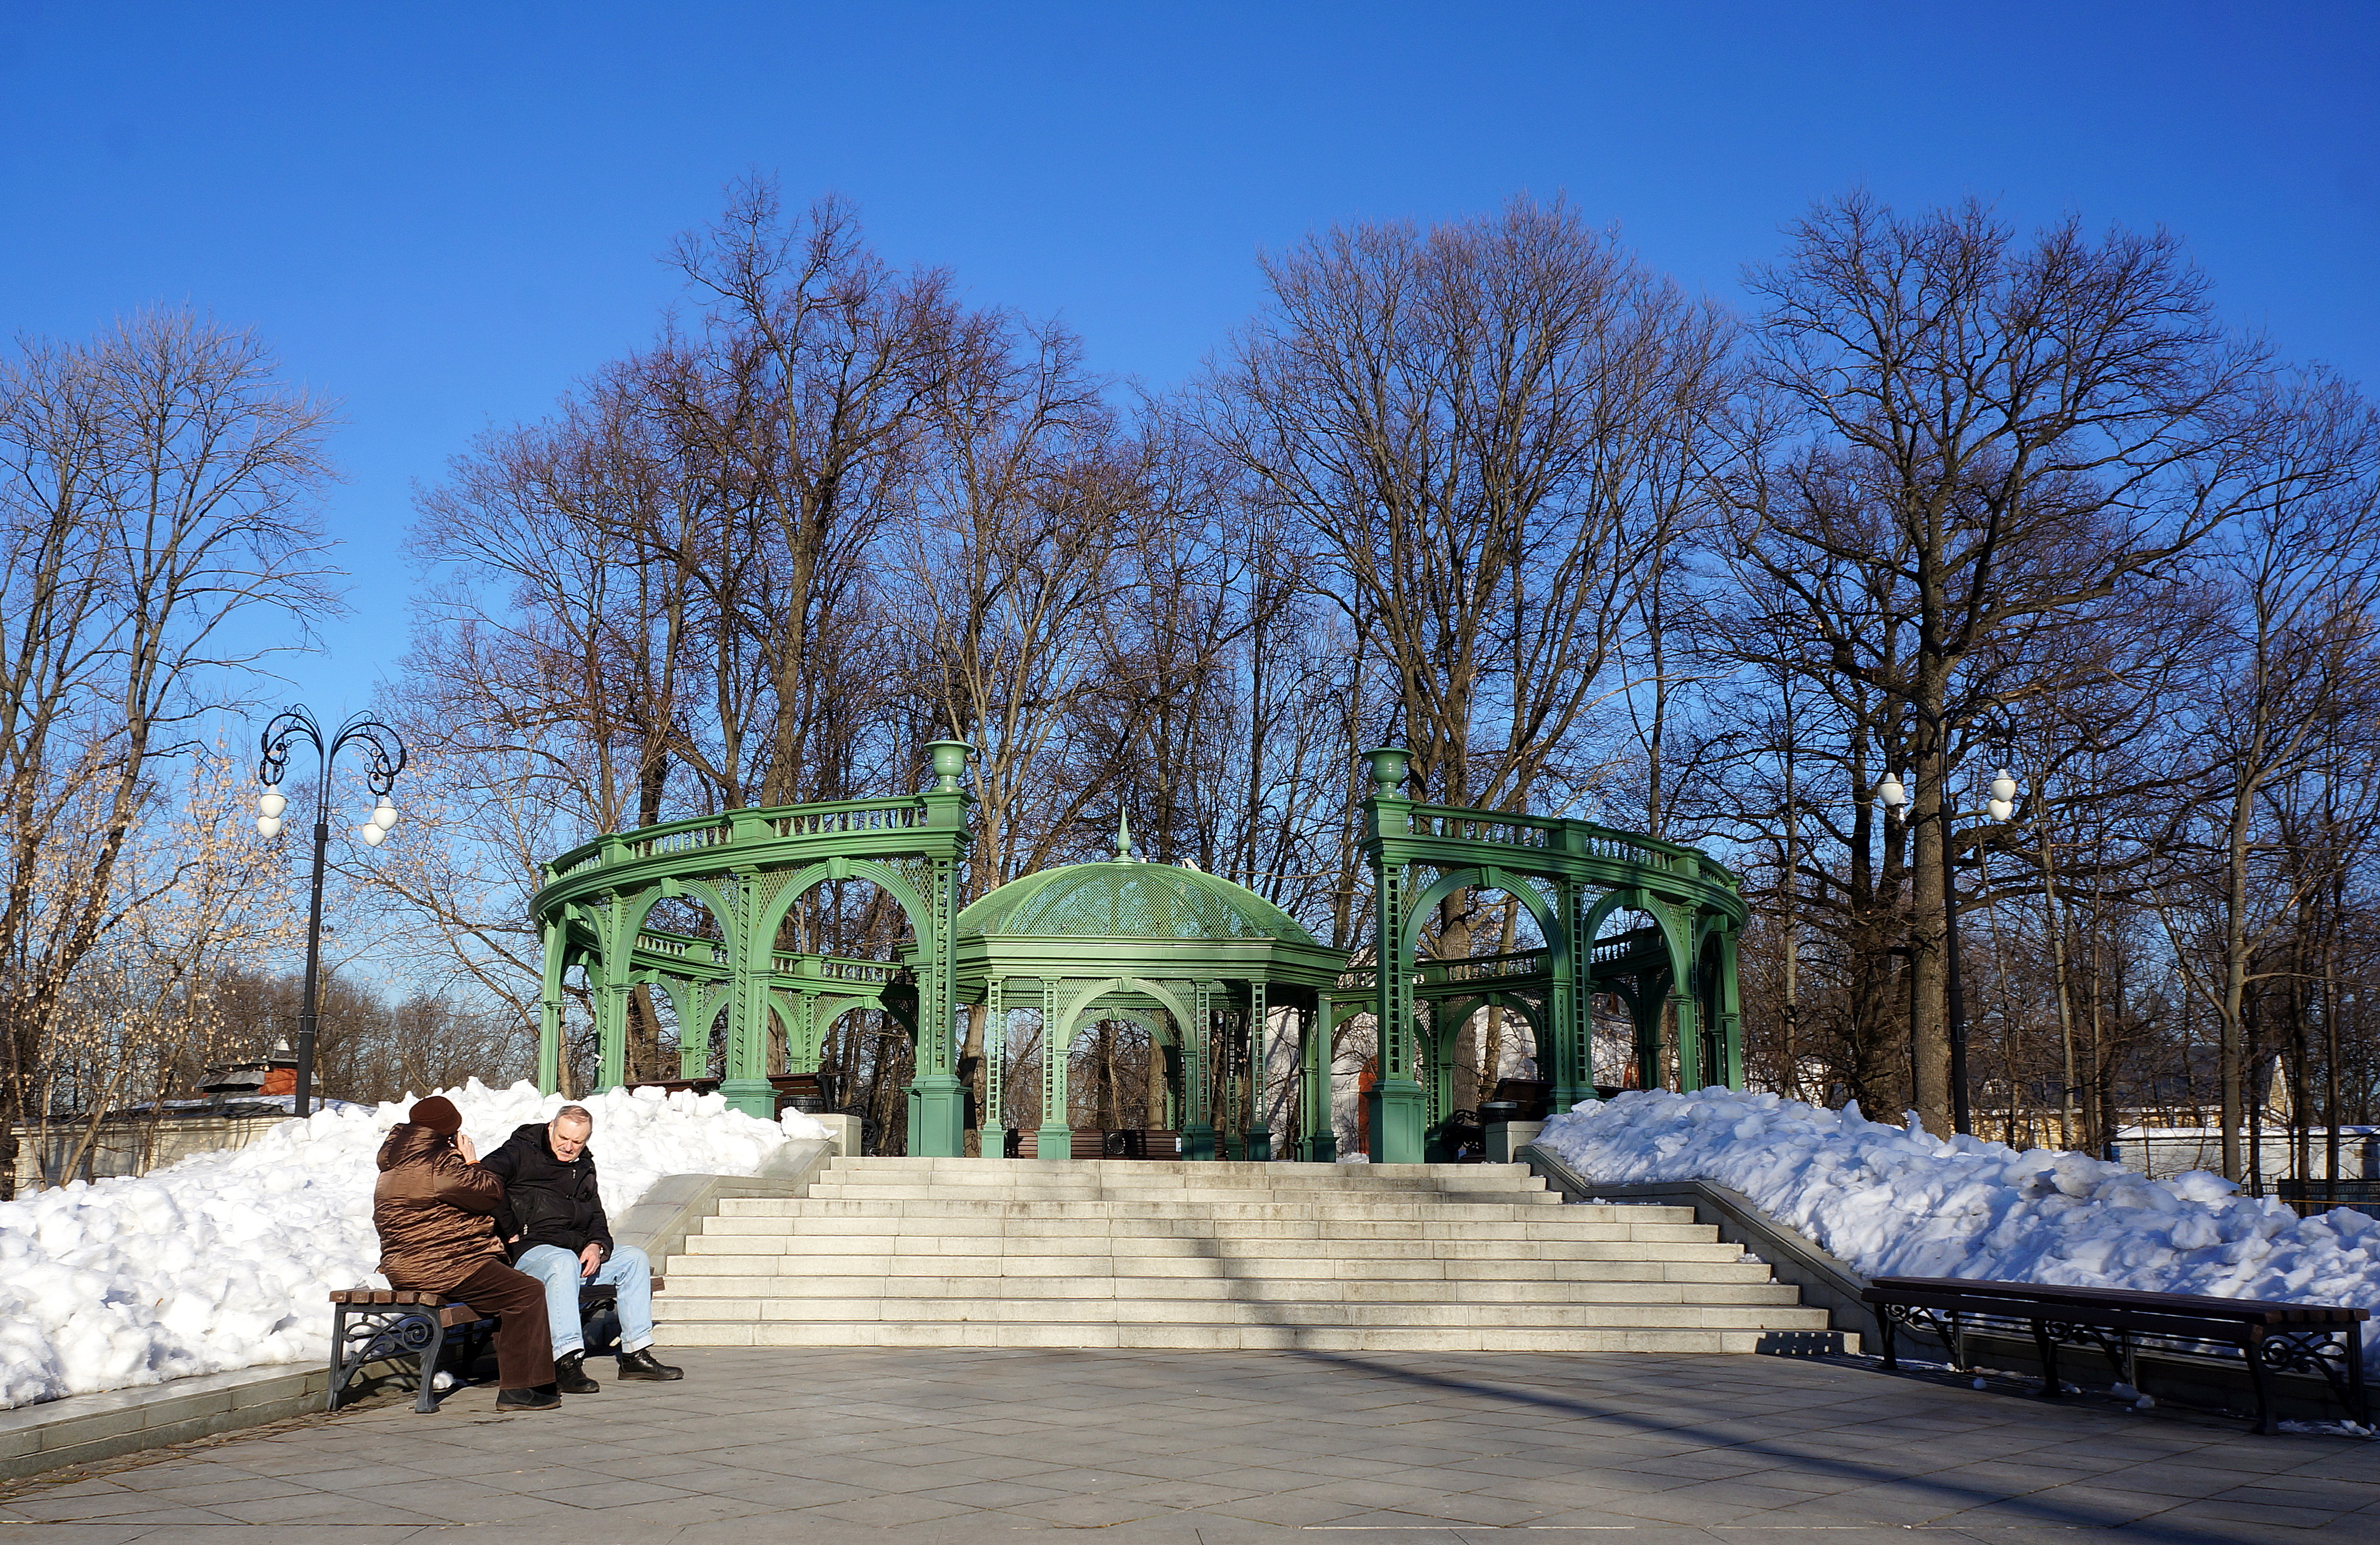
<point>1203,963</point>
<point>747,867</point>
<point>1196,958</point>
<point>1570,875</point>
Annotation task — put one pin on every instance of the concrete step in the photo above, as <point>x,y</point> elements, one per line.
<point>1216,1172</point>
<point>1224,1311</point>
<point>791,1233</point>
<point>1127,1214</point>
<point>687,1293</point>
<point>1620,1267</point>
<point>1376,1256</point>
<point>1242,1196</point>
<point>1187,1256</point>
<point>763,1207</point>
<point>1100,1335</point>
<point>1511,1233</point>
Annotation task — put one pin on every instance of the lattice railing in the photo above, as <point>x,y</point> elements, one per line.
<point>838,969</point>
<point>1554,833</point>
<point>839,817</point>
<point>681,839</point>
<point>850,815</point>
<point>1487,967</point>
<point>1462,825</point>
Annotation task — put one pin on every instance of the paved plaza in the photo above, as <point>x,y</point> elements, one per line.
<point>1219,1448</point>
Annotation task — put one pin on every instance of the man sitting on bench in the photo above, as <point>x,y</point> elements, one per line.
<point>553,1222</point>
<point>434,1207</point>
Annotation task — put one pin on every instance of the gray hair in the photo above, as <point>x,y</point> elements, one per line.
<point>575,1113</point>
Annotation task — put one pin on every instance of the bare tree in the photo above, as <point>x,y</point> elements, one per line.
<point>1482,426</point>
<point>156,497</point>
<point>2006,435</point>
<point>2298,665</point>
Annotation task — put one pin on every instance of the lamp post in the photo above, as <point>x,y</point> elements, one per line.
<point>287,729</point>
<point>1892,795</point>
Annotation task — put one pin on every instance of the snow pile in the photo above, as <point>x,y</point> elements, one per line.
<point>1891,1201</point>
<point>222,1261</point>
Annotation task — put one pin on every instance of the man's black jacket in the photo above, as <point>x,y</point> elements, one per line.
<point>547,1202</point>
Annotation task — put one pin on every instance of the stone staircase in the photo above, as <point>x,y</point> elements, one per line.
<point>1338,1257</point>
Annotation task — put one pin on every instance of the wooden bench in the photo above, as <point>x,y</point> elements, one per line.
<point>1026,1143</point>
<point>392,1324</point>
<point>2271,1337</point>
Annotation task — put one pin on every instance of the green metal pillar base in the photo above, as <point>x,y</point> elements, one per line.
<point>754,1097</point>
<point>1322,1148</point>
<point>937,1117</point>
<point>1397,1111</point>
<point>1053,1142</point>
<point>1258,1141</point>
<point>1199,1142</point>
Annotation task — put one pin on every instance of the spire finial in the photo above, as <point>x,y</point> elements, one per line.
<point>1124,835</point>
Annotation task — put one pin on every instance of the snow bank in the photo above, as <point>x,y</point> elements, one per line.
<point>222,1261</point>
<point>1891,1201</point>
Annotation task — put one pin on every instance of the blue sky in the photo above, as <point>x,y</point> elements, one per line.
<point>442,215</point>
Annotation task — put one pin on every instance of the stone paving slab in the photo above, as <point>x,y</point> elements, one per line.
<point>1170,1448</point>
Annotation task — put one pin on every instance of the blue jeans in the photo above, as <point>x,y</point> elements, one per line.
<point>627,1270</point>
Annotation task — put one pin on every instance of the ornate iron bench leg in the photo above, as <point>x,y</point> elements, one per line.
<point>2358,1400</point>
<point>2256,1376</point>
<point>426,1372</point>
<point>2052,1388</point>
<point>1884,1335</point>
<point>338,1349</point>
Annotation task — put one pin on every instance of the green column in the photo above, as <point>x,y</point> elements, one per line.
<point>1731,1010</point>
<point>1315,1028</point>
<point>611,987</point>
<point>936,1100</point>
<point>1397,1105</point>
<point>993,1133</point>
<point>1198,1049</point>
<point>696,1003</point>
<point>754,961</point>
<point>1570,1007</point>
<point>802,1035</point>
<point>1645,1007</point>
<point>1692,1075</point>
<point>1255,1137</point>
<point>1054,1139</point>
<point>549,1007</point>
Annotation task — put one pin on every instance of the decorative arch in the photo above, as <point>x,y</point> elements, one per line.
<point>913,906</point>
<point>1486,879</point>
<point>1571,875</point>
<point>747,867</point>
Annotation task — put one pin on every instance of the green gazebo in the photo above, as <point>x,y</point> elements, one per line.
<point>1210,970</point>
<point>1168,948</point>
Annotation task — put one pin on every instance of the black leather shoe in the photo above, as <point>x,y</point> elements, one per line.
<point>539,1398</point>
<point>642,1364</point>
<point>570,1374</point>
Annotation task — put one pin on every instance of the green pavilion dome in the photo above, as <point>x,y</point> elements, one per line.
<point>1127,899</point>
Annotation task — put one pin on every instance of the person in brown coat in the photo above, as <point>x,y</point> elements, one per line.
<point>436,1211</point>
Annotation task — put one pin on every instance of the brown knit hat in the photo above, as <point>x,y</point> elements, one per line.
<point>437,1113</point>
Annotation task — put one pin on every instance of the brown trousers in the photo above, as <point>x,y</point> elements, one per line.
<point>524,1347</point>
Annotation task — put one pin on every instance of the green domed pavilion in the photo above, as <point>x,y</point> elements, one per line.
<point>1156,945</point>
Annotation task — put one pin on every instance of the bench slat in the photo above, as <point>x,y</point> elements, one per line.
<point>2228,1330</point>
<point>2245,1311</point>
